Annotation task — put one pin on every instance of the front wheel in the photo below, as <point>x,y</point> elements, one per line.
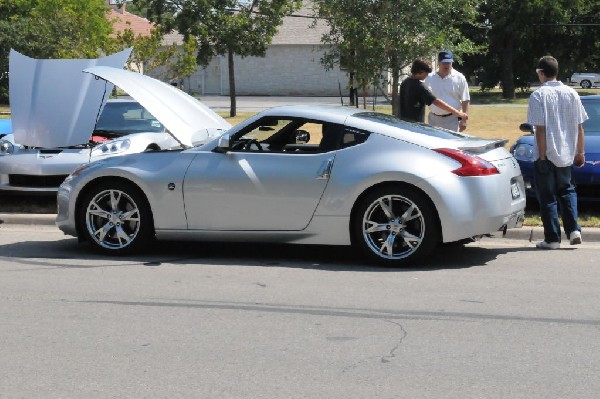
<point>586,84</point>
<point>116,218</point>
<point>395,226</point>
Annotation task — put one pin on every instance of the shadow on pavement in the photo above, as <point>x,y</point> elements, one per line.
<point>66,253</point>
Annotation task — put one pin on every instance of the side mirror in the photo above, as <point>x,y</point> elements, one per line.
<point>526,127</point>
<point>224,143</point>
<point>302,137</point>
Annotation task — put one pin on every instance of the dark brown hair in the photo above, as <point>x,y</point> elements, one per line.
<point>549,65</point>
<point>420,65</point>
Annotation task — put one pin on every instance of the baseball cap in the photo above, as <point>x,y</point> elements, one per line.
<point>445,56</point>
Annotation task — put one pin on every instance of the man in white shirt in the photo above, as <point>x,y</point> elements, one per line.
<point>557,114</point>
<point>450,86</point>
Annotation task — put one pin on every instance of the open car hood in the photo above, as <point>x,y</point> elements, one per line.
<point>186,118</point>
<point>53,103</point>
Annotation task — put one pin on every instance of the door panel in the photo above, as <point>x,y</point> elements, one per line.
<point>254,190</point>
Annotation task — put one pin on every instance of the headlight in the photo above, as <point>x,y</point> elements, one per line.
<point>6,147</point>
<point>111,147</point>
<point>81,169</point>
<point>523,152</point>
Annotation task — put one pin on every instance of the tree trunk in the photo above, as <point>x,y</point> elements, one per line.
<point>508,82</point>
<point>232,108</point>
<point>351,85</point>
<point>395,91</point>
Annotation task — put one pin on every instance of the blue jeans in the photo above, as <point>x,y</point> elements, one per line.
<point>554,188</point>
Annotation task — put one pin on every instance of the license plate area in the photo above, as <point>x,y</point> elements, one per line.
<point>515,191</point>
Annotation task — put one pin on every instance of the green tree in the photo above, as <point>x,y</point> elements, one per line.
<point>51,29</point>
<point>223,27</point>
<point>516,33</point>
<point>185,61</point>
<point>148,53</point>
<point>371,36</point>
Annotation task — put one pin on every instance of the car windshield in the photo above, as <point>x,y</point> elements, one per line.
<point>122,118</point>
<point>592,125</point>
<point>397,122</point>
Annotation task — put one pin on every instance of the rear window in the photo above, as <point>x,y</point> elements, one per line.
<point>421,128</point>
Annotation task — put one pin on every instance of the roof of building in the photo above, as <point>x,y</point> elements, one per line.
<point>123,20</point>
<point>298,28</point>
<point>295,29</point>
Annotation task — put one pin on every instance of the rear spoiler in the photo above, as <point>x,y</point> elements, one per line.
<point>489,145</point>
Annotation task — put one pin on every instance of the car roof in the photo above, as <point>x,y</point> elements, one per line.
<point>594,97</point>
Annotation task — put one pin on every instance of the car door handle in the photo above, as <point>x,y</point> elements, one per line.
<point>325,169</point>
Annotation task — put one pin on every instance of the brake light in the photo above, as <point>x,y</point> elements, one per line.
<point>471,165</point>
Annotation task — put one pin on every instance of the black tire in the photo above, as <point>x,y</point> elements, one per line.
<point>586,84</point>
<point>115,218</point>
<point>395,226</point>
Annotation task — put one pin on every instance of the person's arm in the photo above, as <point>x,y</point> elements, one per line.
<point>465,109</point>
<point>443,105</point>
<point>579,160</point>
<point>540,138</point>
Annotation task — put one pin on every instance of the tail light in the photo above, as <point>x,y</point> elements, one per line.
<point>471,165</point>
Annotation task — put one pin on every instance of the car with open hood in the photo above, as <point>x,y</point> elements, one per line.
<point>300,174</point>
<point>62,118</point>
<point>587,178</point>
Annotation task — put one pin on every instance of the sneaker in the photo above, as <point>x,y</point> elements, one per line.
<point>548,245</point>
<point>575,237</point>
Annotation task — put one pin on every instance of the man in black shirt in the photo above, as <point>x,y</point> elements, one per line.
<point>414,96</point>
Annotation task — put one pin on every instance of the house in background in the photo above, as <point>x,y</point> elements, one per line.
<point>292,65</point>
<point>123,20</point>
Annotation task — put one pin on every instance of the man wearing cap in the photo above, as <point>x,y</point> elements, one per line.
<point>450,86</point>
<point>414,95</point>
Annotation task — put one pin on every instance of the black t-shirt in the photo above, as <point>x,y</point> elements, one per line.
<point>413,98</point>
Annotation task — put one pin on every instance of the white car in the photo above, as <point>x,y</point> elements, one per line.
<point>61,120</point>
<point>586,80</point>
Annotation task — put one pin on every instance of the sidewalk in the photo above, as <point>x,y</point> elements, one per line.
<point>589,234</point>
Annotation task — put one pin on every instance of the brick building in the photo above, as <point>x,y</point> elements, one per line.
<point>291,66</point>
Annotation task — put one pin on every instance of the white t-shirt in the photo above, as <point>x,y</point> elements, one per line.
<point>558,108</point>
<point>453,90</point>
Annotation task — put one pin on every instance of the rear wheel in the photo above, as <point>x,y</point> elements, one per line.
<point>395,226</point>
<point>586,84</point>
<point>116,218</point>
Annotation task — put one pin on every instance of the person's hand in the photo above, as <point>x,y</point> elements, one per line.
<point>579,160</point>
<point>462,116</point>
<point>462,125</point>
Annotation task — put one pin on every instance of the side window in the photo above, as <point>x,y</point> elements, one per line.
<point>353,136</point>
<point>296,136</point>
<point>267,134</point>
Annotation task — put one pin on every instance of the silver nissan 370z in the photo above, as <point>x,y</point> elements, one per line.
<point>295,174</point>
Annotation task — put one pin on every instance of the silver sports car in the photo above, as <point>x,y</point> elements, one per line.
<point>301,174</point>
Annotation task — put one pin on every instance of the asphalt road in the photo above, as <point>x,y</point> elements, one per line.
<point>493,319</point>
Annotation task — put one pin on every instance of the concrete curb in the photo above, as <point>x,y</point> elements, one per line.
<point>591,234</point>
<point>28,218</point>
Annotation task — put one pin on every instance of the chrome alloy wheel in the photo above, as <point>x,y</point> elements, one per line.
<point>393,227</point>
<point>112,219</point>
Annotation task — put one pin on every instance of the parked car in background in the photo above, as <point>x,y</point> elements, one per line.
<point>5,127</point>
<point>53,133</point>
<point>124,127</point>
<point>585,80</point>
<point>586,178</point>
<point>298,174</point>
